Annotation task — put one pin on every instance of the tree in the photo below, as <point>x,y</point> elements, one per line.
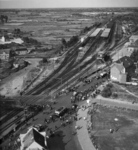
<point>106,92</point>
<point>64,42</point>
<point>114,95</point>
<point>110,85</point>
<point>4,18</point>
<point>72,40</point>
<point>134,56</point>
<point>45,60</point>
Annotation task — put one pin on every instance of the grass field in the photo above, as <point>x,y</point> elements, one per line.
<point>132,88</point>
<point>124,95</point>
<point>125,135</point>
<point>61,24</point>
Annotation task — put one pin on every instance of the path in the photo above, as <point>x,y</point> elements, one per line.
<point>82,133</point>
<point>128,91</point>
<point>115,102</point>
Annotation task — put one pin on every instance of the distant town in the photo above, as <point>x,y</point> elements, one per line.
<point>69,79</point>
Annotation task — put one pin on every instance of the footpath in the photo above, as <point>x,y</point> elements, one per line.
<point>82,133</point>
<point>115,102</point>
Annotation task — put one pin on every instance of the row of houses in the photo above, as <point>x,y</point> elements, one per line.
<point>125,69</point>
<point>5,54</point>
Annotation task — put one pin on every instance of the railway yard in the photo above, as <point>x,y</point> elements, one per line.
<point>73,74</point>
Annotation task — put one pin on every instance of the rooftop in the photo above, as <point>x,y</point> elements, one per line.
<point>126,61</point>
<point>32,139</point>
<point>7,51</point>
<point>119,66</point>
<point>135,44</point>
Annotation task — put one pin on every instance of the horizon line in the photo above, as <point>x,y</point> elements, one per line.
<point>72,7</point>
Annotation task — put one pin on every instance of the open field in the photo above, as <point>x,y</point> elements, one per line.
<point>51,26</point>
<point>125,126</point>
<point>124,95</point>
<point>133,89</point>
<point>121,94</point>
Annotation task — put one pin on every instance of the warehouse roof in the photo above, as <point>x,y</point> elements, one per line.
<point>96,32</point>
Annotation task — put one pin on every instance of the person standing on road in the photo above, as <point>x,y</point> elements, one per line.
<point>56,127</point>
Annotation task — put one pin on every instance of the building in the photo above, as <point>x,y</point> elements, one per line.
<point>133,38</point>
<point>6,40</point>
<point>2,39</point>
<point>20,63</point>
<point>33,140</point>
<point>122,69</point>
<point>117,73</point>
<point>96,32</point>
<point>5,54</point>
<point>106,32</point>
<point>133,46</point>
<point>21,51</point>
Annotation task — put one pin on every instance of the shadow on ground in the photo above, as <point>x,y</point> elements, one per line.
<point>56,142</point>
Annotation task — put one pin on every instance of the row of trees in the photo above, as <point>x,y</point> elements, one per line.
<point>30,40</point>
<point>69,43</point>
<point>4,18</point>
<point>134,56</point>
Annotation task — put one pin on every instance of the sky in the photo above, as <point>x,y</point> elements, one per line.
<point>66,3</point>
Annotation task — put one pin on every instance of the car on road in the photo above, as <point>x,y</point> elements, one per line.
<point>61,111</point>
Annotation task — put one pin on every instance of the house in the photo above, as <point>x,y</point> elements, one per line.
<point>133,46</point>
<point>117,73</point>
<point>133,38</point>
<point>2,39</point>
<point>33,140</point>
<point>7,40</point>
<point>21,51</point>
<point>20,63</point>
<point>5,54</point>
<point>122,69</point>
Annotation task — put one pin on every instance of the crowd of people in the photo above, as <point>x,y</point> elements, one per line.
<point>71,114</point>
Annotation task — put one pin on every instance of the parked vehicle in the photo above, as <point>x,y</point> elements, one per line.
<point>61,111</point>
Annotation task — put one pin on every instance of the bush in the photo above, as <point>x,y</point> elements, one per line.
<point>114,95</point>
<point>107,92</point>
<point>110,85</point>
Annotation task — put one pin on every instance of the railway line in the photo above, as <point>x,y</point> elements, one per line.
<point>68,69</point>
<point>71,52</point>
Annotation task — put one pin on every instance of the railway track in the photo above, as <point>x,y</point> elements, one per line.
<point>66,60</point>
<point>68,74</point>
<point>69,55</point>
<point>66,71</point>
